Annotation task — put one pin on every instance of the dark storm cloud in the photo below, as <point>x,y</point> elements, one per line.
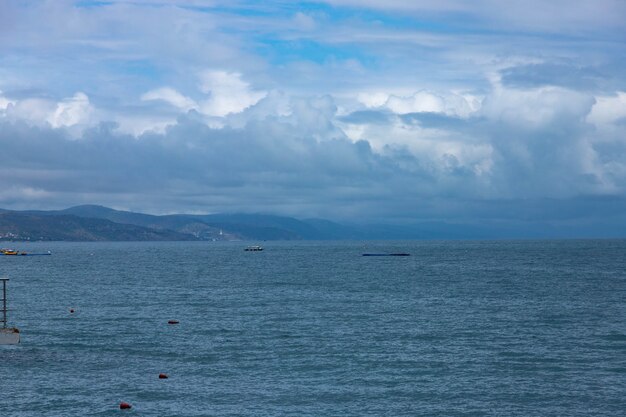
<point>269,166</point>
<point>522,146</point>
<point>263,165</point>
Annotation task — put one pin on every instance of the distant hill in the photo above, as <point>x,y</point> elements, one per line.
<point>178,223</point>
<point>22,226</point>
<point>219,226</point>
<point>92,222</point>
<point>263,226</point>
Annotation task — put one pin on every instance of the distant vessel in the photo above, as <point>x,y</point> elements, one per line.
<point>13,252</point>
<point>254,248</point>
<point>8,335</point>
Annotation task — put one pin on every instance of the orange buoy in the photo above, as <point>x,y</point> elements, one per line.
<point>163,376</point>
<point>125,406</point>
<point>173,322</point>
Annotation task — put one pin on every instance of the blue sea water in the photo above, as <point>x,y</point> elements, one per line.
<point>467,328</point>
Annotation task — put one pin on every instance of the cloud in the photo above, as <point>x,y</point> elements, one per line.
<point>298,163</point>
<point>191,162</point>
<point>229,93</point>
<point>392,109</point>
<point>71,111</point>
<point>530,14</point>
<point>35,110</point>
<point>431,120</point>
<point>531,143</point>
<point>4,102</point>
<point>608,109</point>
<point>292,156</point>
<point>536,107</point>
<point>304,21</point>
<point>367,117</point>
<point>68,112</point>
<point>171,96</point>
<point>419,102</point>
<point>551,74</point>
<point>376,99</point>
<point>543,145</point>
<point>426,102</point>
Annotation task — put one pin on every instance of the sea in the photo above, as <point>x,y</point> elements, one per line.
<point>458,328</point>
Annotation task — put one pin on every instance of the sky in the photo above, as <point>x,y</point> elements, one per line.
<point>403,111</point>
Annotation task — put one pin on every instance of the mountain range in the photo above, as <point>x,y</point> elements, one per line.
<point>98,223</point>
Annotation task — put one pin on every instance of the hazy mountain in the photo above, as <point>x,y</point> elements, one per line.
<point>22,226</point>
<point>219,226</point>
<point>278,227</point>
<point>183,226</point>
<point>178,223</point>
<point>89,222</point>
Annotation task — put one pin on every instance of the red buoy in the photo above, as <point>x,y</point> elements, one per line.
<point>163,376</point>
<point>125,406</point>
<point>173,322</point>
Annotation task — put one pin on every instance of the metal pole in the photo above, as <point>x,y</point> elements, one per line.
<point>4,302</point>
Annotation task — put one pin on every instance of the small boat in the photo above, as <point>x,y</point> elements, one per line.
<point>8,335</point>
<point>12,252</point>
<point>254,248</point>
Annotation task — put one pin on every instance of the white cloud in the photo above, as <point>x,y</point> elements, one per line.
<point>34,110</point>
<point>536,107</point>
<point>172,97</point>
<point>228,93</point>
<point>373,99</point>
<point>74,112</point>
<point>450,103</point>
<point>136,125</point>
<point>71,111</point>
<point>421,101</point>
<point>608,109</point>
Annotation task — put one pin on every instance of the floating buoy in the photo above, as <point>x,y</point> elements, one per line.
<point>125,406</point>
<point>173,322</point>
<point>72,310</point>
<point>163,376</point>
